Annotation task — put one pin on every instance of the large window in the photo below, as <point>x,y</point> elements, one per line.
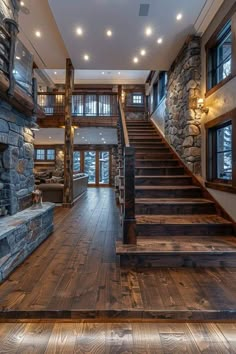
<point>221,152</point>
<point>76,161</point>
<point>44,154</point>
<point>137,98</point>
<point>220,57</point>
<point>90,166</point>
<point>224,152</point>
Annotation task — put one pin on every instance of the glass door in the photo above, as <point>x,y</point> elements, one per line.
<point>104,167</point>
<point>90,166</point>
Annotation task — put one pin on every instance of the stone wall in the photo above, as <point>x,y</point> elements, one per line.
<point>16,169</point>
<point>21,234</point>
<point>183,120</point>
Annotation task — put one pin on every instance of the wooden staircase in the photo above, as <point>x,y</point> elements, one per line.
<point>177,221</point>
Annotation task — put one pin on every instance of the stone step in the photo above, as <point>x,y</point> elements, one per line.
<point>177,225</point>
<point>206,251</point>
<point>168,192</point>
<point>159,171</point>
<point>178,206</point>
<point>155,162</point>
<point>163,180</point>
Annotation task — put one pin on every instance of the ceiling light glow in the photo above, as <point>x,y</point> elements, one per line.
<point>103,73</point>
<point>79,31</point>
<point>179,17</point>
<point>86,57</point>
<point>143,52</point>
<point>109,33</point>
<point>148,31</point>
<point>18,58</point>
<point>118,72</point>
<point>22,3</point>
<point>160,40</point>
<point>38,34</point>
<point>135,60</point>
<point>55,72</point>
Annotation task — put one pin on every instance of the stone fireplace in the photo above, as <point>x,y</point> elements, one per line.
<point>16,161</point>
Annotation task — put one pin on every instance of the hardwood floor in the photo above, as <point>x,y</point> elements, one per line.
<point>75,273</point>
<point>137,338</point>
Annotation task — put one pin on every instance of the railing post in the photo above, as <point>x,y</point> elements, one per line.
<point>12,27</point>
<point>129,222</point>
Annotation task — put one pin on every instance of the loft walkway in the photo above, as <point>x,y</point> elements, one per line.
<point>76,274</point>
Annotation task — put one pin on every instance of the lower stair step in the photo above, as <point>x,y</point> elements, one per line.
<point>180,225</point>
<point>163,180</point>
<point>168,192</point>
<point>168,206</point>
<point>183,252</point>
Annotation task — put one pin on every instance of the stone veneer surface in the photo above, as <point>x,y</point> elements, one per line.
<point>21,234</point>
<point>16,167</point>
<point>182,121</point>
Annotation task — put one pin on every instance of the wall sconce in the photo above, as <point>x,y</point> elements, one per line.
<point>123,97</point>
<point>201,106</point>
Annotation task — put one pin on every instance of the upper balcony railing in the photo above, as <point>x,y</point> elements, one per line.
<point>16,62</point>
<point>83,104</point>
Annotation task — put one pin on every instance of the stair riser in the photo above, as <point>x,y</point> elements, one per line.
<point>179,209</point>
<point>170,181</point>
<point>153,146</point>
<point>194,193</point>
<point>182,230</point>
<point>176,260</point>
<point>164,171</point>
<point>163,163</point>
<point>154,155</point>
<point>153,149</point>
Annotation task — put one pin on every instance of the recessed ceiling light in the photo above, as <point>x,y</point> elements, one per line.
<point>143,52</point>
<point>160,40</point>
<point>38,34</point>
<point>118,72</point>
<point>55,72</point>
<point>102,139</point>
<point>104,142</point>
<point>77,133</point>
<point>100,133</point>
<point>148,31</point>
<point>79,31</point>
<point>179,17</point>
<point>18,58</point>
<point>103,73</point>
<point>86,140</point>
<point>82,137</point>
<point>50,137</point>
<point>109,33</point>
<point>22,3</point>
<point>135,60</point>
<point>86,57</point>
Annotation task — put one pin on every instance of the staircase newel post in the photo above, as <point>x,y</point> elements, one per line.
<point>129,222</point>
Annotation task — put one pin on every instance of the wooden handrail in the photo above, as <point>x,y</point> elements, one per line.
<point>124,127</point>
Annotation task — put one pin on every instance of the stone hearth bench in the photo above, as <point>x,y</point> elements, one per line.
<point>21,234</point>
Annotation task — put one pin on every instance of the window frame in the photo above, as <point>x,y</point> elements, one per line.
<point>213,42</point>
<point>45,154</point>
<point>211,167</point>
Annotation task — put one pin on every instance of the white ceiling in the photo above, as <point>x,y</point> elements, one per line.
<point>93,135</point>
<point>114,77</point>
<point>58,19</point>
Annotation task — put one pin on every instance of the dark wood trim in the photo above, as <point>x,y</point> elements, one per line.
<point>221,187</point>
<point>213,41</point>
<point>219,85</point>
<point>221,119</point>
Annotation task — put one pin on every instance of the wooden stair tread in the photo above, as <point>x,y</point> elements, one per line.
<point>183,245</point>
<point>163,177</point>
<point>166,187</point>
<point>181,219</point>
<point>173,201</point>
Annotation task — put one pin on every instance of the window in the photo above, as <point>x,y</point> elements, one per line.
<point>40,154</point>
<point>90,105</point>
<point>137,98</point>
<point>220,57</point>
<point>104,169</point>
<point>77,105</point>
<point>44,154</point>
<point>50,154</point>
<point>104,105</point>
<point>162,85</point>
<point>76,161</point>
<point>224,152</point>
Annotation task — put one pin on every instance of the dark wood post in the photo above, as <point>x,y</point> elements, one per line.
<point>129,222</point>
<point>69,137</point>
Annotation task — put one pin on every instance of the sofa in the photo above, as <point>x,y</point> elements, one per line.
<point>53,191</point>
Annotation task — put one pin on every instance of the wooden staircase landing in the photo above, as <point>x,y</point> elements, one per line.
<point>178,223</point>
